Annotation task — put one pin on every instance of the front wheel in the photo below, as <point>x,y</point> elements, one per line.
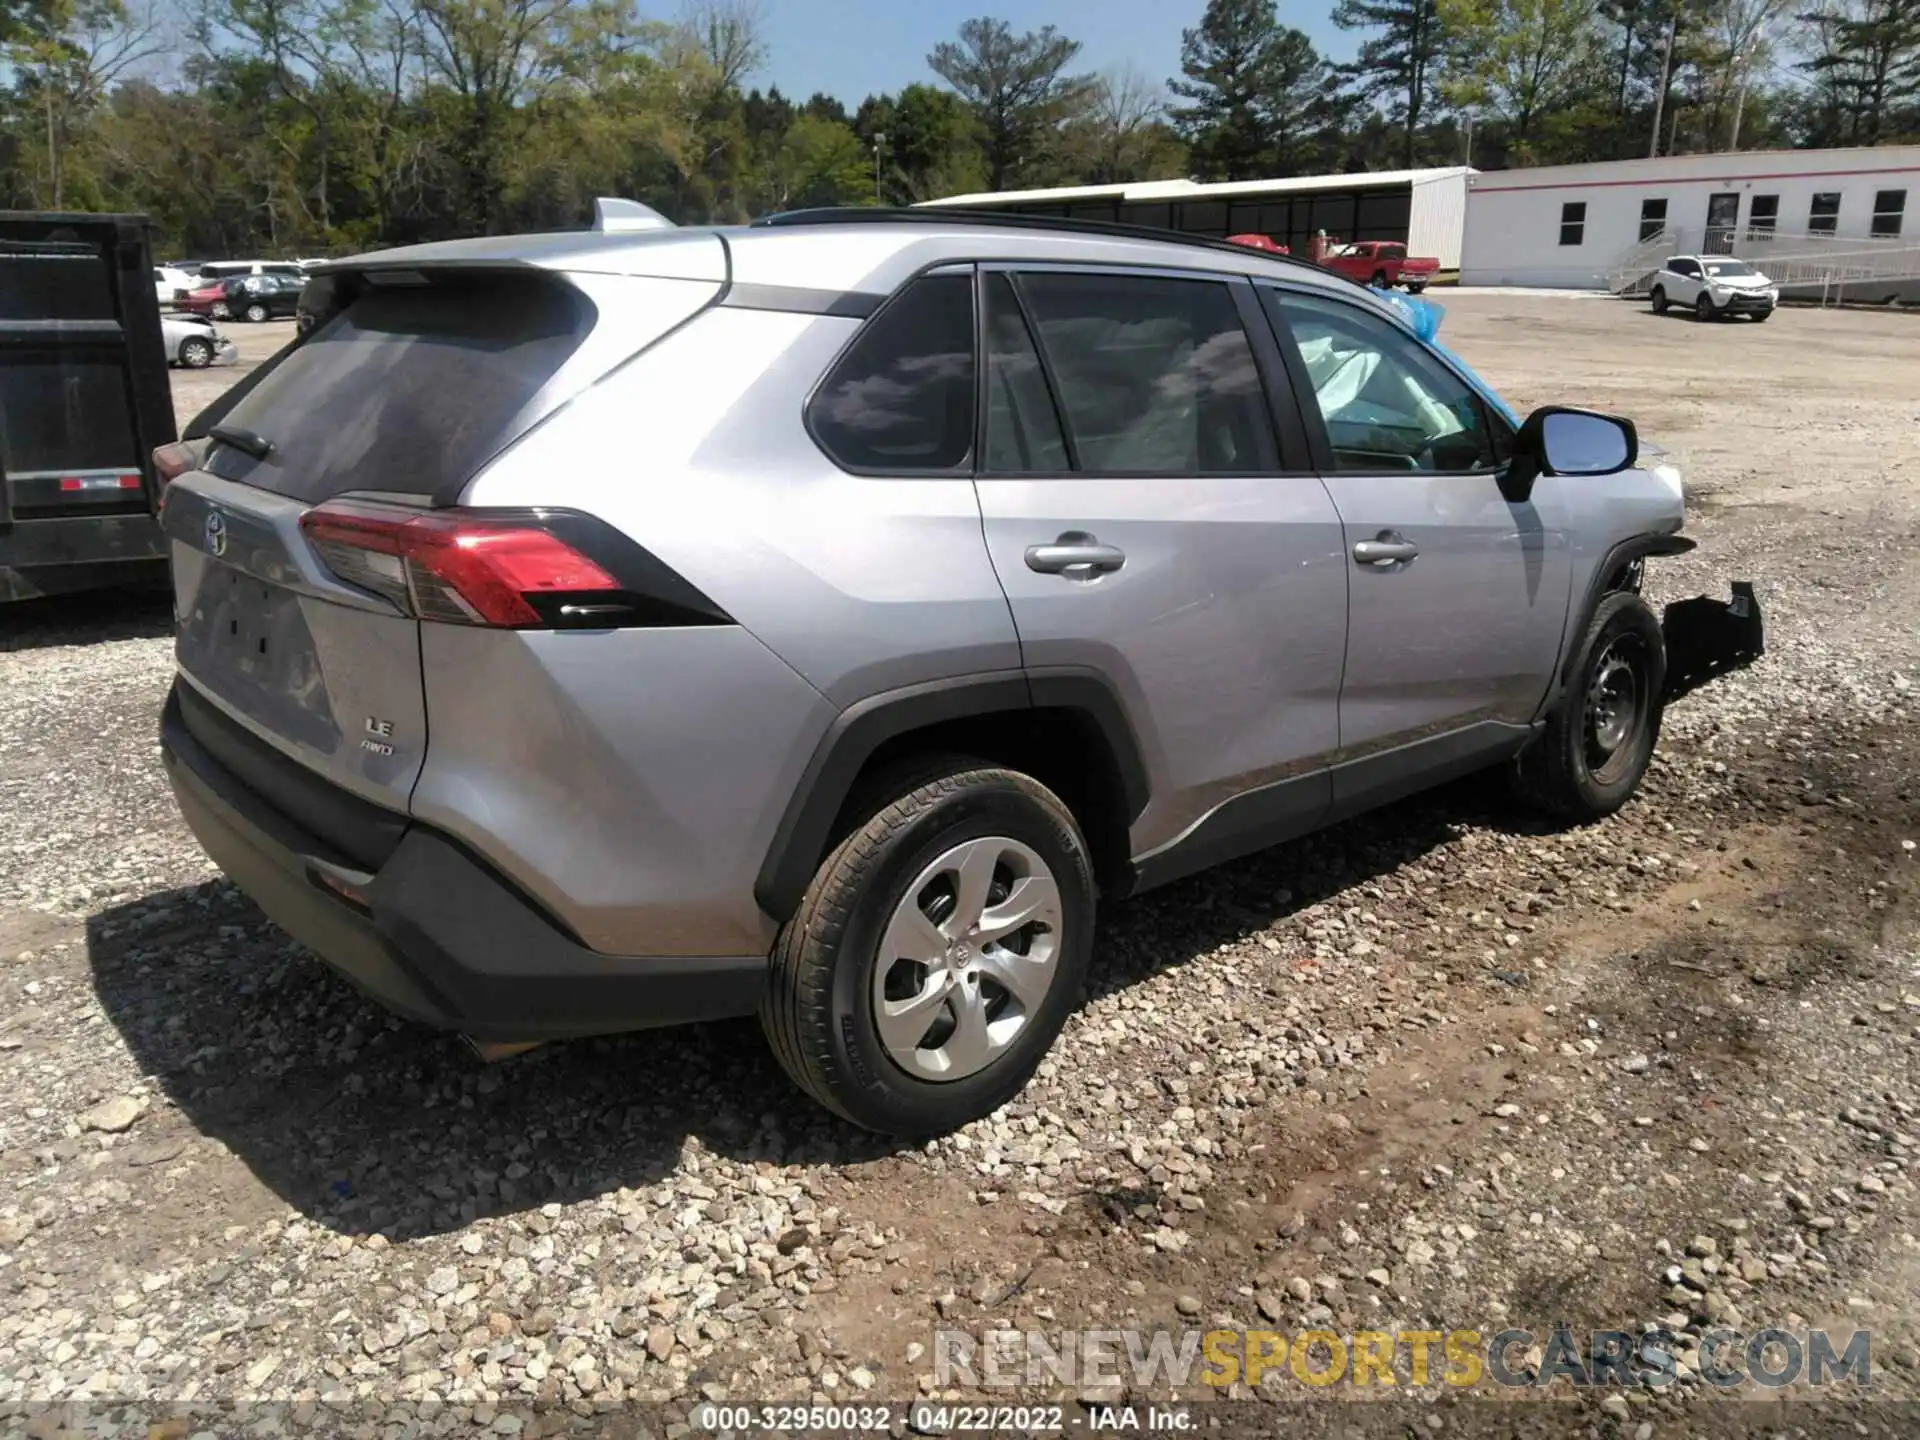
<point>1658,300</point>
<point>1380,280</point>
<point>1760,316</point>
<point>1703,309</point>
<point>1599,741</point>
<point>937,952</point>
<point>196,354</point>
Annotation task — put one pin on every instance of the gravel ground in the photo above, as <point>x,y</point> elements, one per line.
<point>1440,1067</point>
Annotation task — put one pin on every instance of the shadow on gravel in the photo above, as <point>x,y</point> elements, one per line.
<point>367,1123</point>
<point>86,618</point>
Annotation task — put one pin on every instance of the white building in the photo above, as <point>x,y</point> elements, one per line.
<point>1574,226</point>
<point>1425,209</point>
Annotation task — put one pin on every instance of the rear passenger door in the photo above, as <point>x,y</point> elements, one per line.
<point>1149,523</point>
<point>1458,596</point>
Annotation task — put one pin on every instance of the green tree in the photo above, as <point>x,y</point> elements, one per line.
<point>1523,61</point>
<point>1018,90</point>
<point>1867,61</point>
<point>1398,65</point>
<point>928,142</point>
<point>1227,65</point>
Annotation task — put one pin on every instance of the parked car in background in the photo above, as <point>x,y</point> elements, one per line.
<point>1714,287</point>
<point>171,284</point>
<point>854,583</point>
<point>247,297</point>
<point>1260,242</point>
<point>220,269</point>
<point>1384,263</point>
<point>194,344</point>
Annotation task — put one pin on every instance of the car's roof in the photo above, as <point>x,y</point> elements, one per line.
<point>873,256</point>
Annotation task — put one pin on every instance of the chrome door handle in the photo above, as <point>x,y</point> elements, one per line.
<point>1386,550</point>
<point>1076,555</point>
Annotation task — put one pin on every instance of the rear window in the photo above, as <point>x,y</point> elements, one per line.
<point>408,390</point>
<point>64,411</point>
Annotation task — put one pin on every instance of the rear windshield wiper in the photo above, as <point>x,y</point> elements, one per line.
<point>251,441</point>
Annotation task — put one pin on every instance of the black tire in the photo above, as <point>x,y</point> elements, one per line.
<point>1702,309</point>
<point>1380,279</point>
<point>1415,287</point>
<point>196,354</point>
<point>1566,771</point>
<point>819,1010</point>
<point>1761,315</point>
<point>220,311</point>
<point>1658,300</point>
<point>256,312</point>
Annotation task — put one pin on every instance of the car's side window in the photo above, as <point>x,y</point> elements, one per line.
<point>1155,374</point>
<point>1024,435</point>
<point>900,397</point>
<point>1387,403</point>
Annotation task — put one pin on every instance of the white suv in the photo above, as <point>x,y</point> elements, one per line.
<point>1714,286</point>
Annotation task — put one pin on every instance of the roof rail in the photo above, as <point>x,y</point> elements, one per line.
<point>992,219</point>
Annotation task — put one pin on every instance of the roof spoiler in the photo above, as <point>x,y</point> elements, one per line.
<point>612,216</point>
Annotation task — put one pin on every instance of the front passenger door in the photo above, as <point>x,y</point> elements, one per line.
<point>1457,597</point>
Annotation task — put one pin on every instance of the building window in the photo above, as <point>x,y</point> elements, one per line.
<point>1573,222</point>
<point>1824,217</point>
<point>1889,209</point>
<point>1653,218</point>
<point>1763,217</point>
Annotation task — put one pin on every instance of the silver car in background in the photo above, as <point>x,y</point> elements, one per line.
<point>585,632</point>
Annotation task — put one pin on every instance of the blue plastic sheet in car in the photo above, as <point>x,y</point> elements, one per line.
<point>1423,317</point>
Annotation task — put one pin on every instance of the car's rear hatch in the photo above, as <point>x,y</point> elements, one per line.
<point>414,379</point>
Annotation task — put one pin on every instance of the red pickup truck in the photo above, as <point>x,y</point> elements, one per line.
<point>1379,262</point>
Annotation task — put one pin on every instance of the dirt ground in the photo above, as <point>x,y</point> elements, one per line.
<point>1441,1068</point>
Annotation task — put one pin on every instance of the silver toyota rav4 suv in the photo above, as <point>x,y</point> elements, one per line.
<point>586,632</point>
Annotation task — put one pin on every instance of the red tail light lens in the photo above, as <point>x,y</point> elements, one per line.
<point>458,566</point>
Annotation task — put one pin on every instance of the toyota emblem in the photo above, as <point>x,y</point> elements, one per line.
<point>216,533</point>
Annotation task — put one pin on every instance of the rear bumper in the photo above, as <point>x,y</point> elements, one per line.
<point>435,934</point>
<point>79,552</point>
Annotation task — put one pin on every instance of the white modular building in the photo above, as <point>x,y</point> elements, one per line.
<point>1423,209</point>
<point>1846,213</point>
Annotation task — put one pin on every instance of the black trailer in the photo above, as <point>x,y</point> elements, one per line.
<point>84,401</point>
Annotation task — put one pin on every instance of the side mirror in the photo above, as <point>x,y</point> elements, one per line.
<point>1557,440</point>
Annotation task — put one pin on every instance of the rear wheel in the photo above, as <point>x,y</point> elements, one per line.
<point>1658,300</point>
<point>1703,309</point>
<point>1599,741</point>
<point>937,953</point>
<point>256,312</point>
<point>219,310</point>
<point>1414,287</point>
<point>196,354</point>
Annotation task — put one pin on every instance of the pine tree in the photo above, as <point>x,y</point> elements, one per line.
<point>1399,65</point>
<point>1257,92</point>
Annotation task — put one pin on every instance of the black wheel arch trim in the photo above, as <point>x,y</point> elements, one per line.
<point>1639,547</point>
<point>800,838</point>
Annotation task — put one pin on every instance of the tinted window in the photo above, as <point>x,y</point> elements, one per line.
<point>1823,215</point>
<point>1763,215</point>
<point>1573,222</point>
<point>1023,428</point>
<point>1155,375</point>
<point>1653,218</point>
<point>364,403</point>
<point>1889,209</point>
<point>901,397</point>
<point>1387,403</point>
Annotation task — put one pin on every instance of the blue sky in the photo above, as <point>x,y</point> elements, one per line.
<point>849,48</point>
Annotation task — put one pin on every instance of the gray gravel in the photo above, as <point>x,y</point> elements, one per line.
<point>1438,1064</point>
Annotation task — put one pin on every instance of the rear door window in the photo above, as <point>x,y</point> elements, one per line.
<point>1155,374</point>
<point>900,398</point>
<point>408,390</point>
